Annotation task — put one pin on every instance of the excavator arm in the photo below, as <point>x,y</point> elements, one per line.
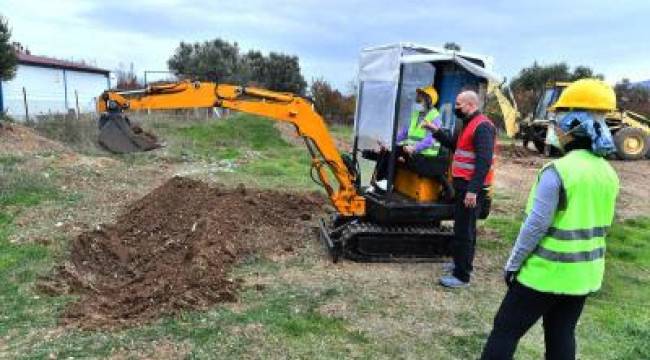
<point>285,107</point>
<point>508,109</point>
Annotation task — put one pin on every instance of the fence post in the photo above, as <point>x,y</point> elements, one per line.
<point>76,100</point>
<point>26,107</point>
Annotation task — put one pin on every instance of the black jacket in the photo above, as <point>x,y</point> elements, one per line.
<point>484,139</point>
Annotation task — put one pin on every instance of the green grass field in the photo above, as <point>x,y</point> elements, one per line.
<point>302,307</point>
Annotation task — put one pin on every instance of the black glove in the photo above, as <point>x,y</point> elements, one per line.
<point>370,154</point>
<point>509,277</point>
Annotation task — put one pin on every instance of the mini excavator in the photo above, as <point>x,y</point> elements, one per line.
<point>405,221</point>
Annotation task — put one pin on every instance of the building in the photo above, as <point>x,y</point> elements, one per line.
<point>51,86</point>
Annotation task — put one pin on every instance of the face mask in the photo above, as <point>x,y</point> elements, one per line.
<point>418,107</point>
<point>459,113</point>
<point>553,139</point>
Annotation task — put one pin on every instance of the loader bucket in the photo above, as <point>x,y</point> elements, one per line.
<point>118,136</point>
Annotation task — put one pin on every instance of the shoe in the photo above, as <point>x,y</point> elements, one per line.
<point>451,281</point>
<point>448,267</point>
<point>382,184</point>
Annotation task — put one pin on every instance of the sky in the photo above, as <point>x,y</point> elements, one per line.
<point>609,36</point>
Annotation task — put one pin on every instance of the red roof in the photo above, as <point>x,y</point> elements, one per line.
<point>24,58</point>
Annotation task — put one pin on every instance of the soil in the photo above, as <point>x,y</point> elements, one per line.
<point>517,168</point>
<point>19,140</point>
<point>172,251</point>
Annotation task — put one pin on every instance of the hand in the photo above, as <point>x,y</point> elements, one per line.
<point>431,126</point>
<point>382,145</point>
<point>409,149</point>
<point>401,159</point>
<point>470,200</point>
<point>509,277</point>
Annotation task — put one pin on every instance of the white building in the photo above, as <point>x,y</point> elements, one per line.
<point>51,86</point>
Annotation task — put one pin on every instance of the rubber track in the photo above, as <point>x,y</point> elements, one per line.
<point>410,243</point>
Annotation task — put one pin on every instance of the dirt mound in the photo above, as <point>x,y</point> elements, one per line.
<point>19,140</point>
<point>172,250</point>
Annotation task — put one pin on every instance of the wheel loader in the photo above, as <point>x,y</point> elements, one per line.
<point>404,222</point>
<point>631,131</point>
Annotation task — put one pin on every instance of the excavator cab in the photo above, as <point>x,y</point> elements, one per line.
<point>388,79</point>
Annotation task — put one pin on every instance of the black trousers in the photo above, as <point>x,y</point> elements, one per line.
<point>464,244</point>
<point>520,310</point>
<point>422,165</point>
<point>419,164</point>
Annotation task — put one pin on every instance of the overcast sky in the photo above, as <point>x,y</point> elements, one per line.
<point>612,37</point>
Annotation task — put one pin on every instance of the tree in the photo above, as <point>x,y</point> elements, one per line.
<point>283,74</point>
<point>529,84</point>
<point>450,45</point>
<point>215,60</point>
<point>8,59</point>
<point>219,60</point>
<point>126,79</point>
<point>633,97</point>
<point>331,104</point>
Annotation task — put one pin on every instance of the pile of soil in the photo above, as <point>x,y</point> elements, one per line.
<point>19,140</point>
<point>172,250</point>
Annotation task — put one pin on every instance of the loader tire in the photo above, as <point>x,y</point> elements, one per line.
<point>631,143</point>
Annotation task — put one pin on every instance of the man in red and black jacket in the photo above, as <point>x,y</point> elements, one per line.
<point>472,173</point>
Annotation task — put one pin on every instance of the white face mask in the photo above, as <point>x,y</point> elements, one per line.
<point>418,107</point>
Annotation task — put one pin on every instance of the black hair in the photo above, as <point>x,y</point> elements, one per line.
<point>583,143</point>
<point>578,142</point>
<point>426,98</point>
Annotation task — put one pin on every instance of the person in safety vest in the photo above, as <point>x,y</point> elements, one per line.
<point>416,147</point>
<point>472,175</point>
<point>559,256</point>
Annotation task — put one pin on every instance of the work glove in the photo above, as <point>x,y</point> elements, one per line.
<point>509,277</point>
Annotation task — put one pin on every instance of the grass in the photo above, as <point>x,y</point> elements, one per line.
<point>616,321</point>
<point>306,307</point>
<point>80,135</point>
<point>22,309</point>
<point>262,157</point>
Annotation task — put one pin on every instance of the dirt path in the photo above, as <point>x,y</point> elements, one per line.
<point>516,172</point>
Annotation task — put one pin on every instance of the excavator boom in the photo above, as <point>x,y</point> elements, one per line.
<point>508,109</point>
<point>278,106</point>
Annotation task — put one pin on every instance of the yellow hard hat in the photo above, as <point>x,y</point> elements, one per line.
<point>589,94</point>
<point>430,92</point>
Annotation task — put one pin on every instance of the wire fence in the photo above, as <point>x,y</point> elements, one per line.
<point>32,105</point>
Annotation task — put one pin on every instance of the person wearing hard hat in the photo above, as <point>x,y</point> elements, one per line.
<point>559,256</point>
<point>416,147</point>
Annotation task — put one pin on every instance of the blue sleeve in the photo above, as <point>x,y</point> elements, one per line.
<point>402,134</point>
<point>538,221</point>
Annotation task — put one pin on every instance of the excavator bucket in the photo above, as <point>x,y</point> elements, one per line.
<point>118,136</point>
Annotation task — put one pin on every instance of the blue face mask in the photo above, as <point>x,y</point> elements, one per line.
<point>418,107</point>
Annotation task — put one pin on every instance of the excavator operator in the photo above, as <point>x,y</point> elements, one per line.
<point>417,149</point>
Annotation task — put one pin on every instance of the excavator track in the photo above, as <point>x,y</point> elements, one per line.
<point>364,241</point>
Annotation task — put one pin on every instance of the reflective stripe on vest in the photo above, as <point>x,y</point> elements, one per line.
<point>416,132</point>
<point>570,258</point>
<point>464,160</point>
<point>578,234</point>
